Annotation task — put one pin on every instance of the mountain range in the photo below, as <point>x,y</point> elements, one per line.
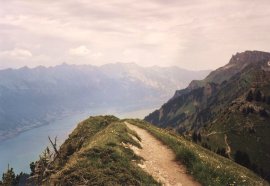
<point>31,97</point>
<point>227,112</point>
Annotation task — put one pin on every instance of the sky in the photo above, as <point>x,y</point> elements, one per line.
<point>191,34</point>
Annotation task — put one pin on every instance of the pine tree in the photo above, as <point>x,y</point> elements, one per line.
<point>268,100</point>
<point>32,168</point>
<point>242,158</point>
<point>194,137</point>
<point>199,137</point>
<point>9,178</point>
<point>249,96</point>
<point>258,95</point>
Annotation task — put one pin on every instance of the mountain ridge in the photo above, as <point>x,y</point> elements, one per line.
<point>231,102</point>
<point>31,97</point>
<point>102,151</point>
<point>235,64</point>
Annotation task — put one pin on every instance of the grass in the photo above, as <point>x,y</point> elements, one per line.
<point>97,153</point>
<point>101,158</point>
<point>254,144</point>
<point>205,166</point>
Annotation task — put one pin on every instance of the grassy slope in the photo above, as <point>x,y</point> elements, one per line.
<point>214,115</point>
<point>206,166</point>
<point>236,125</point>
<point>94,154</point>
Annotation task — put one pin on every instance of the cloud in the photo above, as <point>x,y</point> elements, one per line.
<point>16,53</point>
<point>187,33</point>
<point>79,51</point>
<point>97,55</point>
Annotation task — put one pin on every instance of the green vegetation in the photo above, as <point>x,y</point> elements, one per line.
<point>96,153</point>
<point>230,109</point>
<point>207,167</point>
<point>10,179</point>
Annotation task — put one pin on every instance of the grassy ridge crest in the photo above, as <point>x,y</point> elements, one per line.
<point>96,154</point>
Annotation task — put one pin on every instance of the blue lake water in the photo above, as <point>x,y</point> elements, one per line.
<point>25,148</point>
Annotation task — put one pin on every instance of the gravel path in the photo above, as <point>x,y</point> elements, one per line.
<point>159,160</point>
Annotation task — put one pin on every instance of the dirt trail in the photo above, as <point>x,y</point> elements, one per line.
<point>159,160</point>
<point>228,149</point>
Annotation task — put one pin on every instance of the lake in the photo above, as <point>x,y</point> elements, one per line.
<point>25,148</point>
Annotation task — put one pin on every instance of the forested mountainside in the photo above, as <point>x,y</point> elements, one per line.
<point>33,97</point>
<point>227,112</point>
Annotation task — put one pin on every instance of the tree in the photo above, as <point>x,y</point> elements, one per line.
<point>222,152</point>
<point>249,96</point>
<point>268,100</point>
<point>43,167</point>
<point>70,150</point>
<point>199,137</point>
<point>21,179</point>
<point>194,137</point>
<point>258,95</point>
<point>205,145</point>
<point>32,168</point>
<point>242,158</point>
<point>250,110</point>
<point>263,99</point>
<point>263,113</point>
<point>9,178</point>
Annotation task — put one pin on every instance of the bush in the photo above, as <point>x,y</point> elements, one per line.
<point>263,113</point>
<point>222,152</point>
<point>268,100</point>
<point>242,158</point>
<point>249,96</point>
<point>186,157</point>
<point>258,95</point>
<point>194,137</point>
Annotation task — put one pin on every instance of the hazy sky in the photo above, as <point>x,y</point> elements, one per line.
<point>193,34</point>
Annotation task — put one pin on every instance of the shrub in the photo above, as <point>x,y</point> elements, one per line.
<point>249,96</point>
<point>242,158</point>
<point>258,95</point>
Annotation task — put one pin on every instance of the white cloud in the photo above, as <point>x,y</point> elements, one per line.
<point>187,33</point>
<point>79,51</point>
<point>16,53</point>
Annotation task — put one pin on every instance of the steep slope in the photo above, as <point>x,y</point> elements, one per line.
<point>94,154</point>
<point>228,111</point>
<point>32,97</point>
<point>98,152</point>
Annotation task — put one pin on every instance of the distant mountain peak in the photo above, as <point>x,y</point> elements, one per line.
<point>249,57</point>
<point>24,68</point>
